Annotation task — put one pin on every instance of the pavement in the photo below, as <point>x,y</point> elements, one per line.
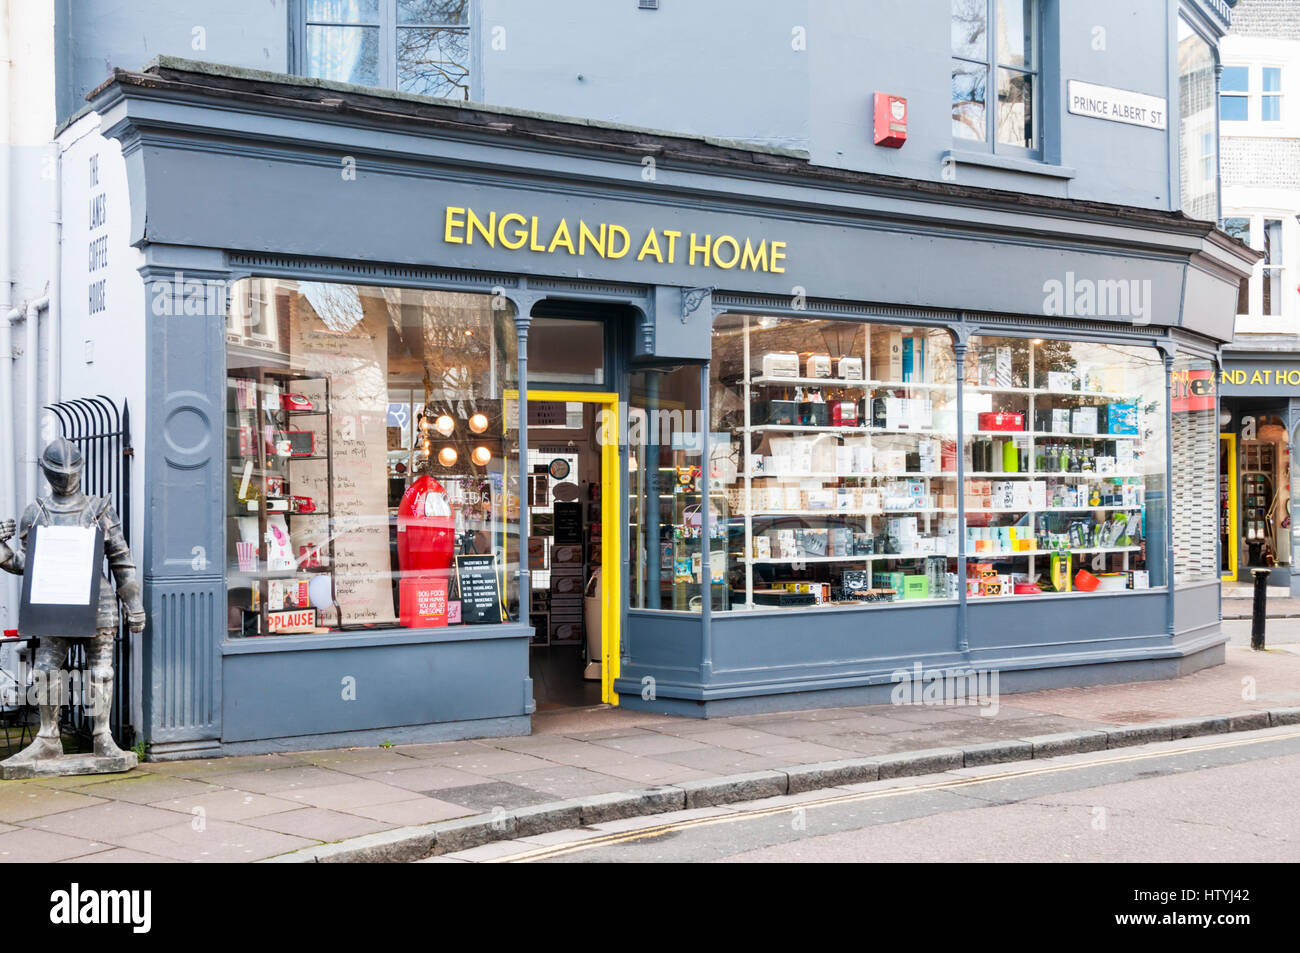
<point>257,807</point>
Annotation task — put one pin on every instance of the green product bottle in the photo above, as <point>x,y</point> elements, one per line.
<point>1010,457</point>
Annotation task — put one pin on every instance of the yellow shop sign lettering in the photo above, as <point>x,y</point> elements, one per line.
<point>1263,377</point>
<point>513,232</point>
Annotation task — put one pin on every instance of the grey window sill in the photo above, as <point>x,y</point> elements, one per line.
<point>1009,163</point>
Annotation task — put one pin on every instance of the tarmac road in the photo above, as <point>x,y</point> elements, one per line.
<point>1218,798</point>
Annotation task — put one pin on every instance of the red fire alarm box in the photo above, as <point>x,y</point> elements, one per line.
<point>891,120</point>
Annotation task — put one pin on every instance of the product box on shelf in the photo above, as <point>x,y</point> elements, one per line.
<point>1052,421</point>
<point>778,412</point>
<point>1062,381</point>
<point>916,587</point>
<point>886,355</point>
<point>1002,420</point>
<point>817,365</point>
<point>849,368</point>
<point>813,413</point>
<point>843,413</point>
<point>1139,579</point>
<point>780,364</point>
<point>1083,420</point>
<point>1121,419</point>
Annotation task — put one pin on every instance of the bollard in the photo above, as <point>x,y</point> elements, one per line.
<point>1258,611</point>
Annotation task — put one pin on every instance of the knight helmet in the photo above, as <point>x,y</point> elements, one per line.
<point>62,465</point>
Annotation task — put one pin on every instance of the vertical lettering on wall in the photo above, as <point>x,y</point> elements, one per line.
<point>97,250</point>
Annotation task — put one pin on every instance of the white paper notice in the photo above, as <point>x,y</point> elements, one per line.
<point>63,565</point>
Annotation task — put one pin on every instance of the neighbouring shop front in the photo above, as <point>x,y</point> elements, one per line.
<point>1259,407</point>
<point>494,424</point>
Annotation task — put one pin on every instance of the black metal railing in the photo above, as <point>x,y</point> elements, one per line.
<point>103,435</point>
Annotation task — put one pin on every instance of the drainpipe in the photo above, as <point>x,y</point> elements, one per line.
<point>54,317</point>
<point>31,382</point>
<point>8,465</point>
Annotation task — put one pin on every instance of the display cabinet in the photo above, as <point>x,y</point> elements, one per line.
<point>279,440</point>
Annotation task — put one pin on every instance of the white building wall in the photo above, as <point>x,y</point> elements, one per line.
<point>1261,160</point>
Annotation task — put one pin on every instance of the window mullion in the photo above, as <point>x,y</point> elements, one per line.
<point>991,76</point>
<point>388,44</point>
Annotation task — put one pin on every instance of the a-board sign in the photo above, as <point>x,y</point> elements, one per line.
<point>61,582</point>
<point>480,588</point>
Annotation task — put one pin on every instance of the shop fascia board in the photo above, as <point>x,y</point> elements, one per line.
<point>275,128</point>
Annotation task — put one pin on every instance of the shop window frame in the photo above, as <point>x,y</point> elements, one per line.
<point>993,67</point>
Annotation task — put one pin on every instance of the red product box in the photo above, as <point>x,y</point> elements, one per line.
<point>1002,420</point>
<point>844,413</point>
<point>423,601</point>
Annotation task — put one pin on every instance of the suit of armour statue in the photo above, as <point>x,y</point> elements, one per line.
<point>68,506</point>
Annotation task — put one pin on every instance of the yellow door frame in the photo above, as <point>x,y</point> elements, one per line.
<point>1233,516</point>
<point>611,542</point>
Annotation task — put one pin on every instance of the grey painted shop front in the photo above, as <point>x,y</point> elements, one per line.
<point>239,177</point>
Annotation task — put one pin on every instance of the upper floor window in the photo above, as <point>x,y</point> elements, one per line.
<point>1240,84</point>
<point>1264,294</point>
<point>995,46</point>
<point>1234,93</point>
<point>415,46</point>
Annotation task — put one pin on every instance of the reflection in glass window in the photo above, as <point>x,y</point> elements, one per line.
<point>994,41</point>
<point>1196,121</point>
<point>416,46</point>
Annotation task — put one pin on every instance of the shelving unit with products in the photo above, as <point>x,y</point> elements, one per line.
<point>1260,478</point>
<point>279,448</point>
<point>687,542</point>
<point>840,472</point>
<point>1056,463</point>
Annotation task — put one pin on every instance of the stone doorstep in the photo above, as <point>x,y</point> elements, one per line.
<point>405,844</point>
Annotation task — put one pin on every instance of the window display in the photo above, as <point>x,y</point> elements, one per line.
<point>666,497</point>
<point>1065,460</point>
<point>834,445</point>
<point>372,469</point>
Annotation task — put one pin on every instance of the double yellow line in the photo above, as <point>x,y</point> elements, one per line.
<point>559,850</point>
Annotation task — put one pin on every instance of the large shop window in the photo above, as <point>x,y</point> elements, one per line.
<point>666,496</point>
<point>833,446</point>
<point>1065,467</point>
<point>372,477</point>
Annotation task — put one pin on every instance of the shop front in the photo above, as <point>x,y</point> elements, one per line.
<point>485,422</point>
<point>1259,407</point>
